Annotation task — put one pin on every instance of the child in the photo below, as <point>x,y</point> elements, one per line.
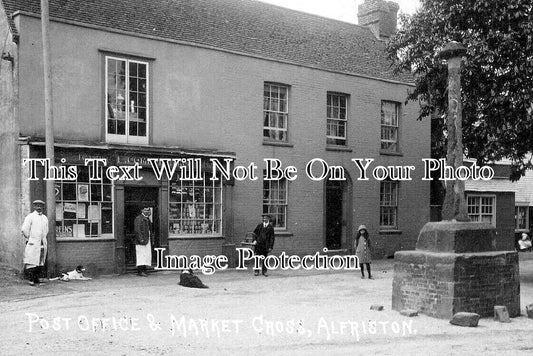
<point>362,250</point>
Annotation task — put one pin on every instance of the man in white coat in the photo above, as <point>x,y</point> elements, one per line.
<point>35,229</point>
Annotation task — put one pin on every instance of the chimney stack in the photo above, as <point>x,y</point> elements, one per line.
<point>380,16</point>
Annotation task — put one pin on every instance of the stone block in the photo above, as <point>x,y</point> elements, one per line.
<point>529,311</point>
<point>465,319</point>
<point>376,307</point>
<point>409,312</point>
<point>501,314</point>
<point>457,237</point>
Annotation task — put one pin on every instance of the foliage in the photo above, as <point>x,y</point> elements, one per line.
<point>497,72</point>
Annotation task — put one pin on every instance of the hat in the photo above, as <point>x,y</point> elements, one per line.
<point>266,216</point>
<point>362,227</point>
<point>38,202</point>
<point>524,235</point>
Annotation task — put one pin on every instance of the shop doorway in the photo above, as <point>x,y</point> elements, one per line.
<point>136,198</point>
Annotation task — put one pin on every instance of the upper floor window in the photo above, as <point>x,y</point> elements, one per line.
<point>390,114</point>
<point>127,98</point>
<point>275,111</point>
<point>482,208</point>
<point>336,119</point>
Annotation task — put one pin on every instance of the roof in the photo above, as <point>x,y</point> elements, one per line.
<point>244,26</point>
<point>494,185</point>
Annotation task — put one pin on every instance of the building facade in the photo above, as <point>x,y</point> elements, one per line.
<point>208,87</point>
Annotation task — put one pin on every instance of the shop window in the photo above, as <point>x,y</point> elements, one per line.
<point>275,112</point>
<point>336,119</point>
<point>84,209</point>
<point>127,98</point>
<point>388,205</point>
<point>482,208</point>
<point>275,201</point>
<point>390,114</point>
<point>195,207</point>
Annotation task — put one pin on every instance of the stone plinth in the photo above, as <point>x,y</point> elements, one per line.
<point>455,268</point>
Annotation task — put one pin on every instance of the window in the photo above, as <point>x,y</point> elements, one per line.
<point>390,113</point>
<point>275,112</point>
<point>388,204</point>
<point>482,208</point>
<point>275,201</point>
<point>127,114</point>
<point>84,209</point>
<point>521,217</point>
<point>336,119</point>
<point>195,207</point>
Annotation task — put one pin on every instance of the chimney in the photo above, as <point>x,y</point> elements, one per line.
<point>380,16</point>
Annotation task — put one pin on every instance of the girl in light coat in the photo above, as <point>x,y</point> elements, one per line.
<point>362,247</point>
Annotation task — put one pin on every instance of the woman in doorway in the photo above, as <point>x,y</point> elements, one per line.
<point>362,249</point>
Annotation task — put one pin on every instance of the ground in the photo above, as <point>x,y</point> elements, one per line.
<point>288,313</point>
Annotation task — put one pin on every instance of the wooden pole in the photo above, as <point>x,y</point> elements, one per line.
<point>49,141</point>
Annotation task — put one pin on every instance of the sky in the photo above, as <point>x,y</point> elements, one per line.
<point>343,10</point>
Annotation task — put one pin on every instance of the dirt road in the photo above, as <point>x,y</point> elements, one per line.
<point>287,313</point>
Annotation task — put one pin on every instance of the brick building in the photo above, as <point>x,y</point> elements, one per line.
<point>208,81</point>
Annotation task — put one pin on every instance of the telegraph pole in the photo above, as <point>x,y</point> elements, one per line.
<point>49,141</point>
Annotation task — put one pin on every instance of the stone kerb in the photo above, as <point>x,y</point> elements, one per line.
<point>455,268</point>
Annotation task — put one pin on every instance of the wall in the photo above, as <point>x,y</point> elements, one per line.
<point>505,221</point>
<point>96,256</point>
<point>210,99</point>
<point>11,241</point>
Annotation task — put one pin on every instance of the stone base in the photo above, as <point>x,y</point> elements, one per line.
<point>440,284</point>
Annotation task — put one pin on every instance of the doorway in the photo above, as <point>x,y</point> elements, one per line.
<point>334,214</point>
<point>135,199</point>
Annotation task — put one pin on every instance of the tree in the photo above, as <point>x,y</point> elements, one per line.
<point>497,72</point>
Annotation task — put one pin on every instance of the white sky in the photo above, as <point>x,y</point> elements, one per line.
<point>343,10</point>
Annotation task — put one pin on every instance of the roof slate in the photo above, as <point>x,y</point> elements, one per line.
<point>244,26</point>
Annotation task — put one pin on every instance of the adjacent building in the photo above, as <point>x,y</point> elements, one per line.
<point>208,84</point>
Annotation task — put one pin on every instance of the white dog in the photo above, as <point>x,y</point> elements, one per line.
<point>77,274</point>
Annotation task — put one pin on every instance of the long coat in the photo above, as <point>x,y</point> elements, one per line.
<point>143,229</point>
<point>35,229</point>
<point>264,236</point>
<point>362,247</point>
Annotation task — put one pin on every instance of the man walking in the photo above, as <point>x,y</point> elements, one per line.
<point>143,246</point>
<point>264,241</point>
<point>35,229</point>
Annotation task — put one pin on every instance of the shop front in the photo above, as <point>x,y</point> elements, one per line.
<point>96,207</point>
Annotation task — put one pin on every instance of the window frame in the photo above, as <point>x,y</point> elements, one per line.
<point>126,138</point>
<point>271,206</point>
<point>330,139</point>
<point>271,133</point>
<point>87,200</point>
<point>193,225</point>
<point>395,144</point>
<point>526,218</point>
<point>480,210</point>
<point>392,204</point>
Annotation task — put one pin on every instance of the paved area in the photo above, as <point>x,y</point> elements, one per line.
<point>288,313</point>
